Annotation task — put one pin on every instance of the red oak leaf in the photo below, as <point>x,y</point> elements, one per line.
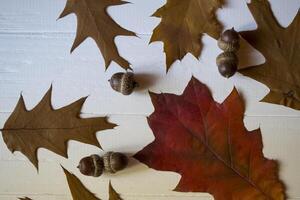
<point>208,145</point>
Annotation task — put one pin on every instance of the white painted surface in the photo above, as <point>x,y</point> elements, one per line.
<point>34,52</point>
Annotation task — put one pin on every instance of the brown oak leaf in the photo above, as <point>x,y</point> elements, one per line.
<point>113,195</point>
<point>182,25</point>
<point>208,145</point>
<point>80,192</point>
<point>281,48</point>
<point>43,127</point>
<point>93,21</point>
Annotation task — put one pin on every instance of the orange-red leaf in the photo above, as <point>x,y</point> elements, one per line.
<point>208,145</point>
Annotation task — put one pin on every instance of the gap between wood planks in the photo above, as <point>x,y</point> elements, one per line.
<point>146,115</point>
<point>54,34</point>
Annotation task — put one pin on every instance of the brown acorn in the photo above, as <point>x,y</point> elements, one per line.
<point>114,162</point>
<point>229,41</point>
<point>91,166</point>
<point>227,64</point>
<point>123,82</point>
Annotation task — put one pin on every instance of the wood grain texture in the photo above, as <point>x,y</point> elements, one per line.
<point>34,53</point>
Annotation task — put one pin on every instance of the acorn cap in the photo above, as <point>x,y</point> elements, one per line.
<point>228,46</point>
<point>123,82</point>
<point>114,162</point>
<point>227,57</point>
<point>91,166</point>
<point>128,84</point>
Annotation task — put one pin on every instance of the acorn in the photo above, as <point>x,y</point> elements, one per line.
<point>227,63</point>
<point>114,162</point>
<point>123,82</point>
<point>229,41</point>
<point>91,166</point>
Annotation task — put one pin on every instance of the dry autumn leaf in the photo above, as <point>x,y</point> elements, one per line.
<point>43,127</point>
<point>80,192</point>
<point>281,48</point>
<point>113,195</point>
<point>93,21</point>
<point>208,145</point>
<point>182,25</point>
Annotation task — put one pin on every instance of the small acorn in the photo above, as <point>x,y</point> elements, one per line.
<point>123,82</point>
<point>229,41</point>
<point>227,64</point>
<point>114,162</point>
<point>91,166</point>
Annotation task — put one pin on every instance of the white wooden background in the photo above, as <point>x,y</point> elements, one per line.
<point>34,52</point>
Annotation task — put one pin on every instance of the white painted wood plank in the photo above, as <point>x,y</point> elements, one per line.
<point>135,181</point>
<point>29,64</point>
<point>35,16</point>
<point>127,197</point>
<point>34,197</point>
<point>40,16</point>
<point>235,13</point>
<point>279,134</point>
<point>138,181</point>
<point>34,53</point>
